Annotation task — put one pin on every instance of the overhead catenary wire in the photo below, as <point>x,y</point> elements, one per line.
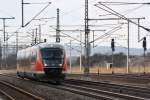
<point>38,3</point>
<point>126,11</point>
<point>107,33</point>
<point>73,48</point>
<point>125,3</point>
<point>45,3</point>
<point>34,18</point>
<point>119,15</point>
<point>69,36</point>
<point>37,14</point>
<point>105,36</point>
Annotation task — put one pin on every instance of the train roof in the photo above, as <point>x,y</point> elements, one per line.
<point>50,45</point>
<point>45,45</point>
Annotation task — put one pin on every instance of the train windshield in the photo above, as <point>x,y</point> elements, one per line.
<point>52,56</point>
<point>49,53</point>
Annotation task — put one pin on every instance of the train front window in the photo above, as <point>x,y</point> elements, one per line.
<point>52,56</point>
<point>52,53</point>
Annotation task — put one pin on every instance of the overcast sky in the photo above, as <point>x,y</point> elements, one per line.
<point>72,13</point>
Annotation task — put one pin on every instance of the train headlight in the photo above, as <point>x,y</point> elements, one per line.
<point>60,65</point>
<point>45,64</point>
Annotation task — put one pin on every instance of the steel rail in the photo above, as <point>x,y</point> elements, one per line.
<point>94,92</point>
<point>99,92</point>
<point>7,95</point>
<point>23,92</point>
<point>114,87</point>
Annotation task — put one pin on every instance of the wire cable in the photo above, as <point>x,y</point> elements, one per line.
<point>108,33</point>
<point>124,3</point>
<point>119,15</point>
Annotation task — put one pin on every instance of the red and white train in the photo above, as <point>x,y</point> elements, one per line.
<point>42,61</point>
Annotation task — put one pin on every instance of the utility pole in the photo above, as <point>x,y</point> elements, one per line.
<point>81,52</point>
<point>86,69</point>
<point>22,6</point>
<point>138,29</point>
<point>128,51</point>
<point>58,28</point>
<point>40,32</point>
<point>4,32</point>
<point>4,26</point>
<point>6,47</point>
<point>4,29</point>
<point>35,35</point>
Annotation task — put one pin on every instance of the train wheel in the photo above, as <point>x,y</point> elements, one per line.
<point>18,75</point>
<point>58,82</point>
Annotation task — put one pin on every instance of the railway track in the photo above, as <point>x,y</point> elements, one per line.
<point>101,90</point>
<point>127,78</point>
<point>5,96</point>
<point>115,88</point>
<point>133,76</point>
<point>14,93</point>
<point>97,93</point>
<point>91,92</point>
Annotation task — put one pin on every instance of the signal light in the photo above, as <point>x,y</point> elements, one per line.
<point>144,44</point>
<point>57,40</point>
<point>45,40</point>
<point>112,44</point>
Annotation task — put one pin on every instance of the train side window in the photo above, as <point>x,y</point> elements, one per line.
<point>33,57</point>
<point>30,55</point>
<point>27,57</point>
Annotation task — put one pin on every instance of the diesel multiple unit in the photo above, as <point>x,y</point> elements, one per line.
<point>42,61</point>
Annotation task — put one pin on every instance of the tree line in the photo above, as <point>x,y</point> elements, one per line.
<point>119,60</point>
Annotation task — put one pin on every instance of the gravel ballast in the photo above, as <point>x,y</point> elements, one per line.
<point>46,91</point>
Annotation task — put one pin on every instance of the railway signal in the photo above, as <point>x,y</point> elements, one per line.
<point>113,45</point>
<point>145,48</point>
<point>144,44</point>
<point>113,49</point>
<point>45,40</point>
